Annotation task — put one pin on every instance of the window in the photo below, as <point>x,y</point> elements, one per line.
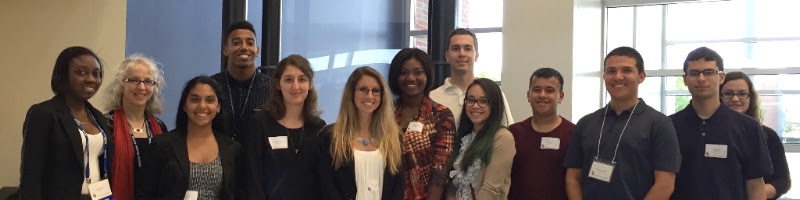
<point>418,30</point>
<point>485,19</point>
<point>751,36</point>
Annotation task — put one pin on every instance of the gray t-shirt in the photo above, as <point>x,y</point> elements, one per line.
<point>649,143</point>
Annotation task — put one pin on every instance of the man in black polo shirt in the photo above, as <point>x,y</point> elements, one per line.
<point>626,150</point>
<point>243,88</point>
<point>724,152</point>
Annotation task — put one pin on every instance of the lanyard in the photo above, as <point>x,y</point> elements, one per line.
<point>620,134</point>
<point>149,140</point>
<point>86,149</point>
<point>244,106</point>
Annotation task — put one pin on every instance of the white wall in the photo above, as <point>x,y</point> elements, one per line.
<point>559,34</point>
<point>33,33</point>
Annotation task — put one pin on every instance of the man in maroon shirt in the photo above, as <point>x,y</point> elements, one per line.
<point>541,141</point>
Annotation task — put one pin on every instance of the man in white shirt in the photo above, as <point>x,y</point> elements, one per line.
<point>461,54</point>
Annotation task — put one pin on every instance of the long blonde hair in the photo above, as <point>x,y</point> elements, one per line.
<point>382,127</point>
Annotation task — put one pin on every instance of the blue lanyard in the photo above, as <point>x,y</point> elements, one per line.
<point>86,149</point>
<point>149,140</point>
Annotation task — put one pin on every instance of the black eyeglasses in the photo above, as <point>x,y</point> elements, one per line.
<point>482,102</point>
<point>741,95</point>
<point>365,90</point>
<point>136,82</point>
<point>696,73</point>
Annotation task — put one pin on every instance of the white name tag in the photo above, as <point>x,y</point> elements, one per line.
<point>716,151</point>
<point>550,143</point>
<point>415,126</point>
<point>191,195</point>
<point>601,170</point>
<point>279,142</point>
<point>100,190</point>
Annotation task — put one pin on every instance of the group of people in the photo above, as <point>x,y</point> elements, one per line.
<point>241,134</point>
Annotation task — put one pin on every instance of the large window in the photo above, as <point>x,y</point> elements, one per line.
<point>483,17</point>
<point>754,36</point>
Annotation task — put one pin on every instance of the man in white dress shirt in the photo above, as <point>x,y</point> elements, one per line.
<point>461,54</point>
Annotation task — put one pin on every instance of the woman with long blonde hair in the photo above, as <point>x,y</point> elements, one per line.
<point>363,145</point>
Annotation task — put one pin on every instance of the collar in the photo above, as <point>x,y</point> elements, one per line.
<point>721,111</point>
<point>450,88</point>
<point>641,107</point>
<point>233,82</point>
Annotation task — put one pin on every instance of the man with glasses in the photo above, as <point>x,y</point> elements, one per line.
<point>626,150</point>
<point>461,54</point>
<point>724,152</point>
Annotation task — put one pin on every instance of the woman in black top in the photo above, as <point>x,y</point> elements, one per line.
<point>282,143</point>
<point>738,93</point>
<point>196,159</point>
<point>55,133</point>
<point>134,97</point>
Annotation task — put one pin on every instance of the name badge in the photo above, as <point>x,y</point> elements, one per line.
<point>279,142</point>
<point>716,151</point>
<point>191,195</point>
<point>100,190</point>
<point>601,170</point>
<point>550,143</point>
<point>415,126</point>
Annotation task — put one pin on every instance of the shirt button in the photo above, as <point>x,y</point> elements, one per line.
<point>704,122</point>
<point>369,189</point>
<point>704,134</point>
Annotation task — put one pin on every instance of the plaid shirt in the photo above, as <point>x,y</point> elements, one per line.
<point>426,153</point>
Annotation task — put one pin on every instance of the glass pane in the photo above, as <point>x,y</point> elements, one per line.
<point>357,33</point>
<point>479,13</point>
<point>419,14</point>
<point>706,21</point>
<point>650,91</point>
<point>490,55</point>
<point>772,18</point>
<point>648,35</point>
<point>420,42</point>
<point>620,27</point>
<point>733,53</point>
<point>772,54</point>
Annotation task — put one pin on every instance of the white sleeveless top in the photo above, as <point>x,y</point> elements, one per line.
<point>369,167</point>
<point>95,154</point>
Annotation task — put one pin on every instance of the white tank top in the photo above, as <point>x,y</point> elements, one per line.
<point>369,167</point>
<point>95,154</point>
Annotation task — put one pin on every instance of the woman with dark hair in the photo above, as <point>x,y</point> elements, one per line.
<point>738,93</point>
<point>196,160</point>
<point>134,98</point>
<point>361,158</point>
<point>427,126</point>
<point>282,142</point>
<point>65,147</point>
<point>483,149</point>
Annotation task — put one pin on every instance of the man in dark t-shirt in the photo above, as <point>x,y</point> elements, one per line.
<point>541,141</point>
<point>244,89</point>
<point>626,150</point>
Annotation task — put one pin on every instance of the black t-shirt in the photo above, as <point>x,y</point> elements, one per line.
<point>705,177</point>
<point>241,100</point>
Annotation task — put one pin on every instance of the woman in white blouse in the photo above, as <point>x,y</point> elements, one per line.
<point>364,157</point>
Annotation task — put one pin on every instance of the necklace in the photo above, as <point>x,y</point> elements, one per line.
<point>296,147</point>
<point>139,130</point>
<point>86,119</point>
<point>364,141</point>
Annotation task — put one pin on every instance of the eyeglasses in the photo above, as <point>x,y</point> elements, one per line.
<point>136,82</point>
<point>482,102</point>
<point>365,90</point>
<point>741,95</point>
<point>696,73</point>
